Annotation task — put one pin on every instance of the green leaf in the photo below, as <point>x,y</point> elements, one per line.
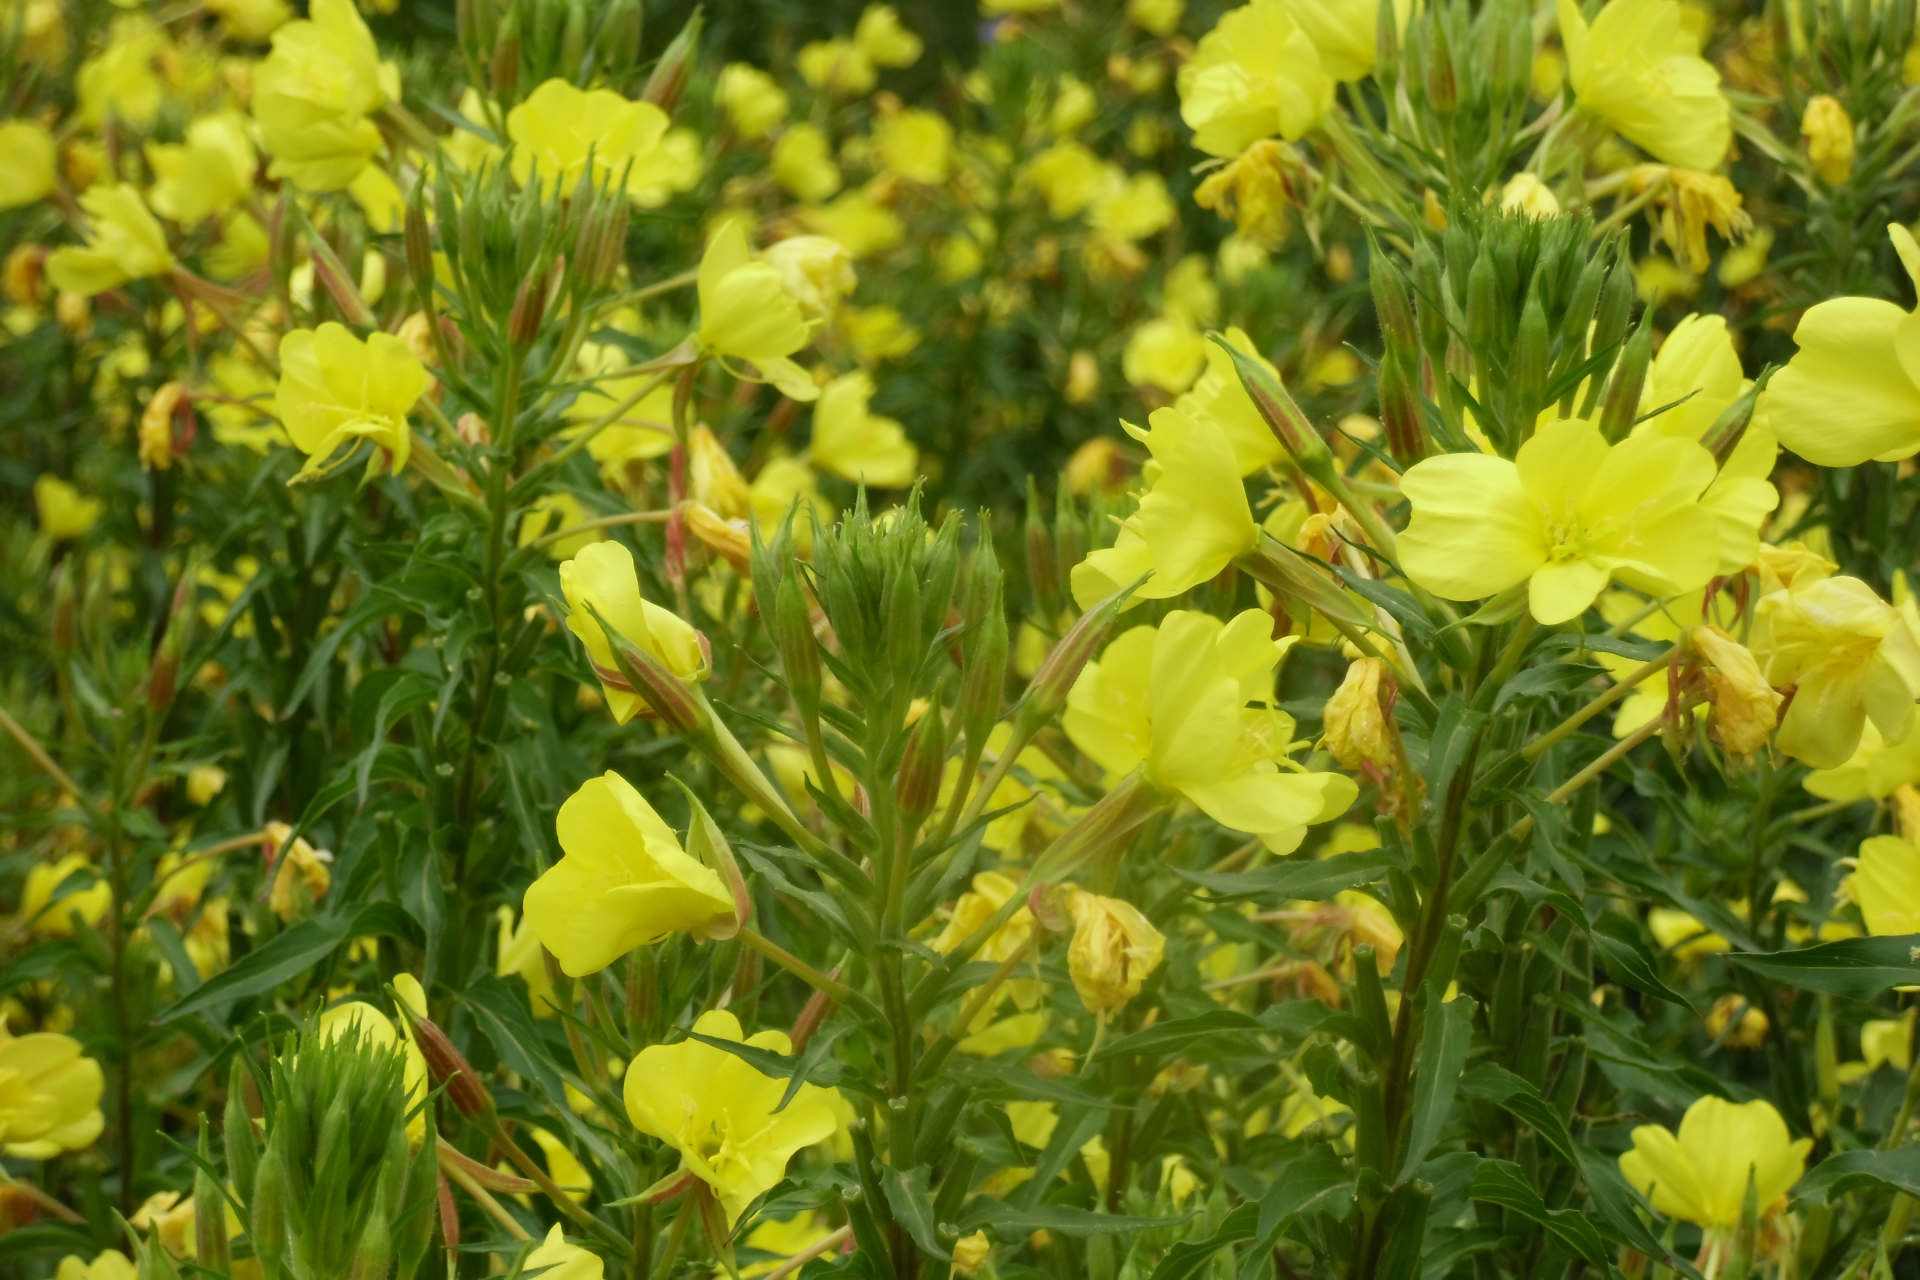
<point>1504,1183</point>
<point>291,953</point>
<point>780,1066</point>
<point>912,1206</point>
<point>501,1011</point>
<point>1314,1181</point>
<point>1446,1034</point>
<point>1190,1257</point>
<point>1178,1033</point>
<point>1837,1175</point>
<point>1492,1083</point>
<point>1312,878</point>
<point>1857,968</point>
<point>1008,1221</point>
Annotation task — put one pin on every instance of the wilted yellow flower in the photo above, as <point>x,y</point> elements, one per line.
<point>915,145</point>
<point>622,883</point>
<point>1637,69</point>
<point>818,272</point>
<point>1358,729</point>
<point>603,576</point>
<point>723,1116</point>
<point>1885,884</point>
<point>1190,701</point>
<point>1745,707</point>
<point>124,242</point>
<point>312,96</point>
<point>752,99</point>
<point>336,390</point>
<point>802,162</point>
<point>28,163</point>
<point>1850,393</point>
<point>561,131</point>
<point>301,875</point>
<point>1686,203</point>
<point>1829,134</point>
<point>1256,190</point>
<point>557,1259</point>
<point>49,1096</point>
<point>65,513</point>
<point>971,1251</point>
<point>887,43</point>
<point>1570,513</point>
<point>1256,74</point>
<point>856,444</point>
<point>748,314</point>
<point>1700,1175</point>
<point>1114,950</point>
<point>1189,525</point>
<point>1849,655</point>
<point>207,174</point>
<point>1166,352</point>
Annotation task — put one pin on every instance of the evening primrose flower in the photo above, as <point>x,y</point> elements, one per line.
<point>603,576</point>
<point>1876,769</point>
<point>1828,132</point>
<point>1570,513</point>
<point>856,444</point>
<point>1701,1174</point>
<point>556,1259</point>
<point>622,883</point>
<point>312,96</point>
<point>724,1117</point>
<point>802,162</point>
<point>562,132</point>
<point>1885,885</point>
<point>335,390</point>
<point>1256,74</point>
<point>1188,702</point>
<point>1189,525</point>
<point>110,1264</point>
<point>1114,950</point>
<point>124,242</point>
<point>1220,397</point>
<point>1850,657</point>
<point>518,953</point>
<point>915,145</point>
<point>1345,33</point>
<point>28,163</point>
<point>1256,189</point>
<point>838,68</point>
<point>884,39</point>
<point>49,1095</point>
<point>208,174</point>
<point>64,512</point>
<point>817,270</point>
<point>748,314</point>
<point>752,99</point>
<point>1166,352</point>
<point>78,909</point>
<point>1637,68</point>
<point>1852,392</point>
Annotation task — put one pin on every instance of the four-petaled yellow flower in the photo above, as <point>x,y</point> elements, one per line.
<point>124,242</point>
<point>312,96</point>
<point>1189,701</point>
<point>856,444</point>
<point>1700,1175</point>
<point>601,578</point>
<point>1568,515</point>
<point>562,131</point>
<point>1254,75</point>
<point>1852,392</point>
<point>49,1095</point>
<point>335,390</point>
<point>723,1116</point>
<point>623,881</point>
<point>1638,68</point>
<point>748,313</point>
<point>1850,657</point>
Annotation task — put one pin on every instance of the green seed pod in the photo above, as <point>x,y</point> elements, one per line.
<point>1622,404</point>
<point>799,651</point>
<point>1392,303</point>
<point>1485,310</point>
<point>267,1213</point>
<point>917,787</point>
<point>1529,363</point>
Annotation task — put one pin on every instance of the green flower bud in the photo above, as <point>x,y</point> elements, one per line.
<point>1622,404</point>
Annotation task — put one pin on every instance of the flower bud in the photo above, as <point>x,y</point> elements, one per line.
<point>1400,409</point>
<point>1622,403</point>
<point>1724,436</point>
<point>671,73</point>
<point>530,307</point>
<point>917,787</point>
<point>419,245</point>
<point>799,650</point>
<point>159,442</point>
<point>1114,950</point>
<point>446,1065</point>
<point>676,702</point>
<point>1281,413</point>
<point>1392,304</point>
<point>267,1211</point>
<point>1047,692</point>
<point>1828,131</point>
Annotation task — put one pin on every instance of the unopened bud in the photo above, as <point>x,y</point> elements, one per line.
<point>529,309</point>
<point>708,843</point>
<point>505,71</point>
<point>419,244</point>
<point>676,703</point>
<point>267,1211</point>
<point>373,1255</point>
<point>918,786</point>
<point>1061,668</point>
<point>671,73</point>
<point>1622,403</point>
<point>799,650</point>
<point>1392,303</point>
<point>1530,351</point>
<point>1278,409</point>
<point>1724,436</point>
<point>1400,410</point>
<point>447,1066</point>
<point>332,275</point>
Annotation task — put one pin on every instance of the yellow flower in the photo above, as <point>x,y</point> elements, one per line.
<point>28,163</point>
<point>1852,391</point>
<point>1166,352</point>
<point>208,174</point>
<point>1570,513</point>
<point>65,513</point>
<point>336,390</point>
<point>519,954</point>
<point>1132,207</point>
<point>555,1259</point>
<point>561,131</point>
<point>603,576</point>
<point>1829,134</point>
<point>859,221</point>
<point>855,444</point>
<point>915,145</point>
<point>204,782</point>
<point>1875,770</point>
<point>1358,726</point>
<point>1114,950</point>
<point>1066,175</point>
<point>838,68</point>
<point>109,1265</point>
<point>802,162</point>
<point>312,96</point>
<point>818,272</point>
<point>250,19</point>
<point>723,1116</point>
<point>1524,193</point>
<point>1156,17</point>
<point>1254,75</point>
<point>990,892</point>
<point>1220,397</point>
<point>1255,190</point>
<point>971,1251</point>
<point>643,431</point>
<point>82,908</point>
<point>551,513</point>
<point>752,99</point>
<point>1745,707</point>
<point>623,881</point>
<point>124,242</point>
<point>747,312</point>
<point>49,1095</point>
<point>303,873</point>
<point>1700,1175</point>
<point>1849,655</point>
<point>881,36</point>
<point>1191,522</point>
<point>1685,203</point>
<point>1175,699</point>
<point>122,81</point>
<point>1637,69</point>
<point>1345,33</point>
<point>1885,883</point>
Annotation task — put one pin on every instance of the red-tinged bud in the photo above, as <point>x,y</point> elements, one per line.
<point>1279,410</point>
<point>1052,907</point>
<point>449,1215</point>
<point>1400,411</point>
<point>485,1175</point>
<point>505,70</point>
<point>529,310</point>
<point>671,1187</point>
<point>447,1066</point>
<point>1064,662</point>
<point>419,244</point>
<point>675,68</point>
<point>917,788</point>
<point>812,1014</point>
<point>677,704</point>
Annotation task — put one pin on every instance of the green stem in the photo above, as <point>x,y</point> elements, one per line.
<point>1646,671</point>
